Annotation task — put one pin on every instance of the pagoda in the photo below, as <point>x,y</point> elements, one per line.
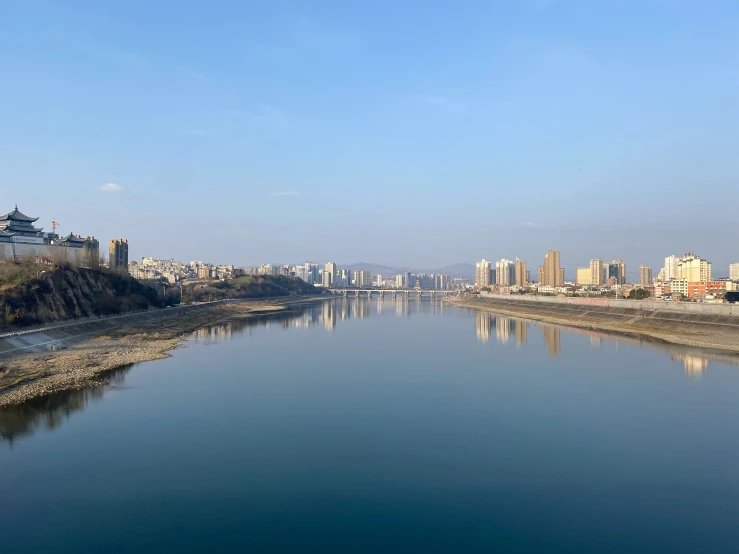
<point>16,223</point>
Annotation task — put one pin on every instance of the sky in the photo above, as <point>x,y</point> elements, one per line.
<point>406,133</point>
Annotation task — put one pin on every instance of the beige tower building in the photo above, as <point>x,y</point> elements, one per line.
<point>596,272</point>
<point>584,276</point>
<point>550,273</point>
<point>118,254</point>
<point>692,268</point>
<point>522,278</point>
<point>645,275</point>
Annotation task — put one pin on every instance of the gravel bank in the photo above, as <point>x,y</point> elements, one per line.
<point>85,364</point>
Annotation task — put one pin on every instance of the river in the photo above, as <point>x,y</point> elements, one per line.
<point>394,425</point>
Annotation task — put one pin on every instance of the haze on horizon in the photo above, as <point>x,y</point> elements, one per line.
<point>409,134</point>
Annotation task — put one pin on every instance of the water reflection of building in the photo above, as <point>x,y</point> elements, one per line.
<point>502,329</point>
<point>522,331</point>
<point>214,333</point>
<point>361,308</point>
<point>694,365</point>
<point>595,340</point>
<point>329,316</point>
<point>552,339</point>
<point>483,324</point>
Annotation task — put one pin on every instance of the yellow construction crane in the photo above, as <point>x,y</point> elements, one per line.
<point>54,225</point>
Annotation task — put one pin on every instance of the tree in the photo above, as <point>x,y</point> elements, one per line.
<point>639,294</point>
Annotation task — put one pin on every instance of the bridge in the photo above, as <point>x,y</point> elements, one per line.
<point>408,293</point>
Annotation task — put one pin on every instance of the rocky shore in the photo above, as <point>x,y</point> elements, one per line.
<point>85,364</point>
<point>706,332</point>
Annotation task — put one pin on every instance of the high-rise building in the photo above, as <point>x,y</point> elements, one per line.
<point>596,272</point>
<point>551,273</point>
<point>344,278</point>
<point>118,254</point>
<point>379,280</point>
<point>331,268</point>
<point>399,281</point>
<point>692,268</point>
<point>521,275</point>
<point>734,271</point>
<point>669,272</point>
<point>482,274</point>
<point>326,278</point>
<point>615,270</point>
<point>362,279</point>
<point>645,275</point>
<point>505,273</point>
<point>312,272</point>
<point>583,276</point>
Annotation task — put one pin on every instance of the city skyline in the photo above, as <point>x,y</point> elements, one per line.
<point>501,272</point>
<point>256,133</point>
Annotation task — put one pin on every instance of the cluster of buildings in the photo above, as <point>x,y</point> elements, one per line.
<point>691,277</point>
<point>688,277</point>
<point>333,277</point>
<point>330,276</point>
<point>20,239</point>
<point>175,272</point>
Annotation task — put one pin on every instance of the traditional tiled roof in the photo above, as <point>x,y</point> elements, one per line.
<point>15,215</point>
<point>17,227</point>
<point>71,238</point>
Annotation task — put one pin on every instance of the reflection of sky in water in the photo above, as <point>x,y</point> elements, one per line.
<point>344,416</point>
<point>52,411</point>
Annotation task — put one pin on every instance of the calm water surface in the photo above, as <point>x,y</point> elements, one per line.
<point>383,426</point>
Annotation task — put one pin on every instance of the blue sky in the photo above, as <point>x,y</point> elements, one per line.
<point>405,133</point>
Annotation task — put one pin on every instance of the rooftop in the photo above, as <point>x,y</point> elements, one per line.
<point>16,215</point>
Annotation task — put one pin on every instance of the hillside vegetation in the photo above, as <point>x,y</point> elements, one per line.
<point>31,294</point>
<point>258,286</point>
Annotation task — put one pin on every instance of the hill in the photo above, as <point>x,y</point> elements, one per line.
<point>32,293</point>
<point>256,286</point>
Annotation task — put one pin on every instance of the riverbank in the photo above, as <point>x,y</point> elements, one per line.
<point>85,363</point>
<point>697,331</point>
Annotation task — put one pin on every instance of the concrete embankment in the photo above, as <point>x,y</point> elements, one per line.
<point>63,335</point>
<point>709,326</point>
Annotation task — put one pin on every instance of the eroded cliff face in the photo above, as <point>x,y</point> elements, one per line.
<point>68,293</point>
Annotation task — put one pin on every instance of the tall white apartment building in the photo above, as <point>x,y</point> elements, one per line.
<point>482,274</point>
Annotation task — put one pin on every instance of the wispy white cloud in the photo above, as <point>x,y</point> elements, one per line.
<point>111,187</point>
<point>444,103</point>
<point>198,132</point>
<point>530,224</point>
<point>196,75</point>
<point>126,58</point>
<point>285,193</point>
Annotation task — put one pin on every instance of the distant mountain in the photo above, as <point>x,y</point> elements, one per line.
<point>374,269</point>
<point>464,270</point>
